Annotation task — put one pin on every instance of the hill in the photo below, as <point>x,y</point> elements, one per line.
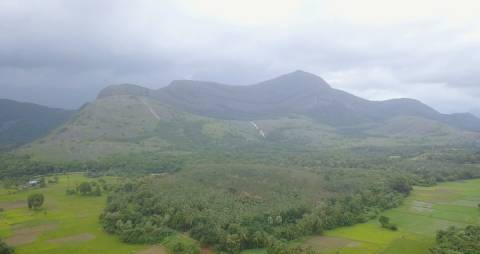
<point>296,112</point>
<point>21,123</point>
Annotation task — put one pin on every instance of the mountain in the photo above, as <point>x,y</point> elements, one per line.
<point>298,111</point>
<point>21,123</point>
<point>294,93</point>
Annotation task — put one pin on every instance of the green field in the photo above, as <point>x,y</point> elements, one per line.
<point>67,224</point>
<point>427,210</point>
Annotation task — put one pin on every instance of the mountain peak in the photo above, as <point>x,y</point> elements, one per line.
<point>299,79</point>
<point>301,72</point>
<point>123,89</point>
<point>302,75</point>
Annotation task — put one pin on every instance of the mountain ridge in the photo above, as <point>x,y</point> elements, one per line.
<point>298,92</point>
<point>297,112</point>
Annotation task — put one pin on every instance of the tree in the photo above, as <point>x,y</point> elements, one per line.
<point>384,221</point>
<point>85,188</point>
<point>35,201</point>
<point>401,184</point>
<point>96,191</point>
<point>5,249</point>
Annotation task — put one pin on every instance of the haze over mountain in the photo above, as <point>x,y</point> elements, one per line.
<point>21,123</point>
<point>296,111</point>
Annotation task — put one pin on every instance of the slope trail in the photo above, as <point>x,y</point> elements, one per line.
<point>260,131</point>
<point>152,111</point>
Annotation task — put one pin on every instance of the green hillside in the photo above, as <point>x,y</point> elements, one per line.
<point>131,124</point>
<point>291,113</point>
<point>21,123</point>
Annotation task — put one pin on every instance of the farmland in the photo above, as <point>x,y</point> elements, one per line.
<point>427,210</point>
<point>70,224</point>
<point>65,224</point>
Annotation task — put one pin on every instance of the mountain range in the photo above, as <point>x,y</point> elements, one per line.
<point>294,93</point>
<point>298,111</point>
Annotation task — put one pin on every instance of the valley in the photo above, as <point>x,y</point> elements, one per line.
<point>239,127</point>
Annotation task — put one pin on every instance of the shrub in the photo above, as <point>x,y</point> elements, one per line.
<point>35,201</point>
<point>5,249</point>
<point>84,188</point>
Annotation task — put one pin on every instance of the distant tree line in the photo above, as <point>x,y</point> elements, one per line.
<point>16,169</point>
<point>89,189</point>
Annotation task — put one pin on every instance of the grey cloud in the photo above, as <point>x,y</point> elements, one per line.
<point>61,53</point>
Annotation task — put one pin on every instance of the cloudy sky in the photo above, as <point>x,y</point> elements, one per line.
<point>61,53</point>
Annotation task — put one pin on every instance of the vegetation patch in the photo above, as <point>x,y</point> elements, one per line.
<point>421,207</point>
<point>29,234</point>
<point>8,205</point>
<point>324,243</point>
<point>456,240</point>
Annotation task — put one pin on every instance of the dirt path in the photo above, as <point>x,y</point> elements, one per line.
<point>206,250</point>
<point>152,111</point>
<point>154,250</point>
<point>85,237</point>
<point>13,204</point>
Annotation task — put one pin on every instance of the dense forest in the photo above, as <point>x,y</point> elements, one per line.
<point>458,240</point>
<point>149,209</point>
<point>248,203</point>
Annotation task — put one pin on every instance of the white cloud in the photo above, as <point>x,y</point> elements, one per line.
<point>246,12</point>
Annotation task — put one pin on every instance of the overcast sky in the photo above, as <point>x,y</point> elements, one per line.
<point>61,53</point>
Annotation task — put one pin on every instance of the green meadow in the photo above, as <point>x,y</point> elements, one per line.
<point>66,224</point>
<point>425,211</point>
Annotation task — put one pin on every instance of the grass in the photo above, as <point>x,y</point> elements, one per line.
<point>427,210</point>
<point>71,215</point>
